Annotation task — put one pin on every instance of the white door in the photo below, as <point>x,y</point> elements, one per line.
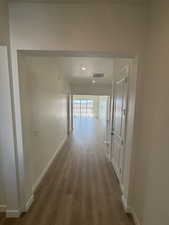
<point>119,126</point>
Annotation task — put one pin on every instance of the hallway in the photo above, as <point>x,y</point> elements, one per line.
<point>80,188</point>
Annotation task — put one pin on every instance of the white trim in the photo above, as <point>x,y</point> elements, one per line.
<point>7,137</point>
<point>74,53</point>
<point>29,203</point>
<point>19,133</point>
<point>2,208</point>
<point>48,165</point>
<point>12,213</point>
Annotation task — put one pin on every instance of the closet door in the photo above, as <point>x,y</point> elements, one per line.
<point>119,126</point>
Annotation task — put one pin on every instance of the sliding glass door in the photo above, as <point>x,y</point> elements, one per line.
<point>83,108</point>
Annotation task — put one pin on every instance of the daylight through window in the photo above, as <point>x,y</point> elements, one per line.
<point>83,108</point>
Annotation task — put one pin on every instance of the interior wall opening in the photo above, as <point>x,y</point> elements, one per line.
<point>89,110</point>
<point>46,83</point>
<point>91,106</point>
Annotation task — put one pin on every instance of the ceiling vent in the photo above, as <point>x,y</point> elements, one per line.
<point>98,75</point>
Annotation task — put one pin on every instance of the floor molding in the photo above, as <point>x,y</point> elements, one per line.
<point>12,213</point>
<point>2,208</point>
<point>48,165</point>
<point>29,203</point>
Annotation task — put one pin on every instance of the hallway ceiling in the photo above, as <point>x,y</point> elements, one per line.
<point>71,68</point>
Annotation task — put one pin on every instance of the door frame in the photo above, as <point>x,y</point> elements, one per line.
<point>19,162</point>
<point>10,181</point>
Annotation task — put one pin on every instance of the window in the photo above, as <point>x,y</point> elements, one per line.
<point>83,108</point>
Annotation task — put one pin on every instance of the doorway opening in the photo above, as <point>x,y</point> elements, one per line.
<point>79,71</point>
<point>90,111</point>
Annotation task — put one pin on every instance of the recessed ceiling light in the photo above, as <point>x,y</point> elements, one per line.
<point>93,81</point>
<point>83,68</point>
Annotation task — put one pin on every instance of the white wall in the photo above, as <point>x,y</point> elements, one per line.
<point>151,181</point>
<point>121,30</point>
<point>44,114</point>
<point>84,27</point>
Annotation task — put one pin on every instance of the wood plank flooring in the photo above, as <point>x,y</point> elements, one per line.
<point>80,188</point>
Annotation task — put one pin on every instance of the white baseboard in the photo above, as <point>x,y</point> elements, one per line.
<point>9,213</point>
<point>16,213</point>
<point>130,210</point>
<point>12,213</point>
<point>29,203</point>
<point>48,165</point>
<point>2,208</point>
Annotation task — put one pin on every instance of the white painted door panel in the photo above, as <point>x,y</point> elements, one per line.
<point>119,126</point>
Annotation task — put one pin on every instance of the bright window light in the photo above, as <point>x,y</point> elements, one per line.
<point>83,108</point>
